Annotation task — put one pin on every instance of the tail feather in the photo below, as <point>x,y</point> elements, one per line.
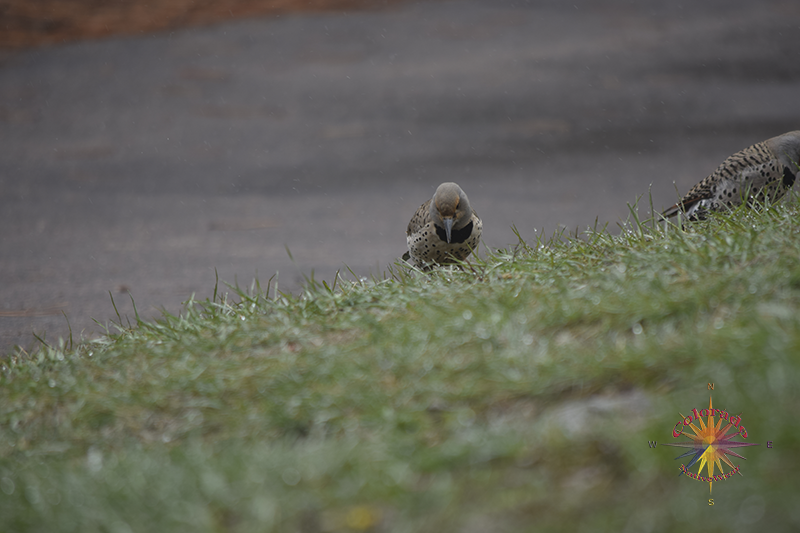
<point>670,211</point>
<point>681,207</point>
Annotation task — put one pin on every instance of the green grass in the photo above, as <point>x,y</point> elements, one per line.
<point>515,394</point>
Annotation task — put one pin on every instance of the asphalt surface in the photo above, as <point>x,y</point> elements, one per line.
<point>139,165</point>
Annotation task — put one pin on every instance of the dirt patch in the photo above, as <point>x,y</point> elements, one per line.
<point>25,23</point>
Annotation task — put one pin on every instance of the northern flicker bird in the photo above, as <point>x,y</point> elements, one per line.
<point>443,229</point>
<point>764,171</point>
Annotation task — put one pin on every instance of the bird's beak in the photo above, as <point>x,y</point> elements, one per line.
<point>448,227</point>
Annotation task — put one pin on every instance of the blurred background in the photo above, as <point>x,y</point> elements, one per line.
<point>146,145</point>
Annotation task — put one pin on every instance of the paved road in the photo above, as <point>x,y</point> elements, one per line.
<point>139,165</point>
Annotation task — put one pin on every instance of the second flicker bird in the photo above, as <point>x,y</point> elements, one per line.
<point>764,171</point>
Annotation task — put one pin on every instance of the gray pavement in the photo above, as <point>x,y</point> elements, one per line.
<point>139,165</point>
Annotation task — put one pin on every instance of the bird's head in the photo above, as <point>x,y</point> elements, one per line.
<point>787,148</point>
<point>450,208</point>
